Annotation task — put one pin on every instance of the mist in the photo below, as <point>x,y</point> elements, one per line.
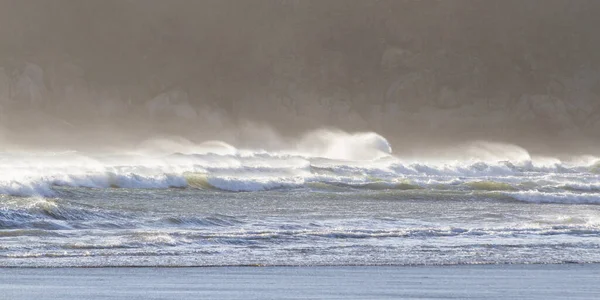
<point>266,74</point>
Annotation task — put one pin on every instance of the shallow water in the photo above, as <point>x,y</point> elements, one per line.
<point>375,282</point>
<point>189,227</point>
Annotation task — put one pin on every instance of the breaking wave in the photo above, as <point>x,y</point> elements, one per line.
<point>47,214</point>
<point>490,186</point>
<point>556,197</point>
<point>322,160</point>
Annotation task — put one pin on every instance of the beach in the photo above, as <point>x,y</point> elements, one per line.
<point>556,281</point>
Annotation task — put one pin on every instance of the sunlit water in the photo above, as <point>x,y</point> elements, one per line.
<point>260,208</point>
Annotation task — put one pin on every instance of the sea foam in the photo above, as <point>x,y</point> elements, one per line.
<point>361,161</point>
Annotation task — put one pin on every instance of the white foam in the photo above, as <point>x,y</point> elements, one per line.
<point>331,157</point>
<point>555,197</point>
<point>580,186</point>
<point>26,188</point>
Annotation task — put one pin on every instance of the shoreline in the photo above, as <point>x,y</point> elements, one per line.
<point>250,266</point>
<point>531,281</point>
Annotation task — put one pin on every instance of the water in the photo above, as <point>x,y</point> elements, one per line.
<point>260,208</point>
<point>567,281</point>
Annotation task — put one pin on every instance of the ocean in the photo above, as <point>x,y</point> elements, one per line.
<point>230,207</point>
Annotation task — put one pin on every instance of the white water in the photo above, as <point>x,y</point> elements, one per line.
<point>330,158</point>
<point>328,198</point>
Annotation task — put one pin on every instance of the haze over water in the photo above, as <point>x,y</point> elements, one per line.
<point>147,133</point>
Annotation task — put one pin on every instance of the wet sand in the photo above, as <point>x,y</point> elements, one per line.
<point>569,281</point>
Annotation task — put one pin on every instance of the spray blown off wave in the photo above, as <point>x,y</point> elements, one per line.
<point>321,160</point>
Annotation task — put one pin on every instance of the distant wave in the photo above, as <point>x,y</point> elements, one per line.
<point>490,186</point>
<point>323,160</point>
<point>556,197</point>
<point>341,145</point>
<point>262,172</point>
<point>47,214</point>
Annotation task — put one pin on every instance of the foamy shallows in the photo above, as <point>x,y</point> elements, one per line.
<point>332,199</point>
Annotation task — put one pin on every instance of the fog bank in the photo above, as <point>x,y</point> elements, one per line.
<point>421,74</point>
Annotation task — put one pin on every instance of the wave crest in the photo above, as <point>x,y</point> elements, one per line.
<point>324,160</point>
<point>345,146</point>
